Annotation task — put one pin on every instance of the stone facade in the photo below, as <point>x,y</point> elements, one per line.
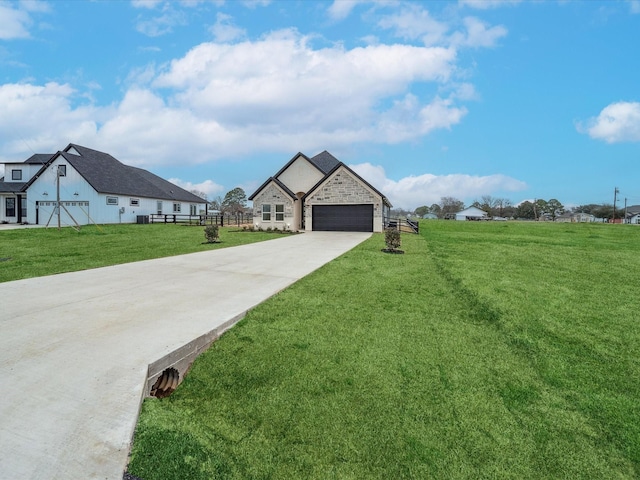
<point>319,183</point>
<point>343,188</point>
<point>273,196</point>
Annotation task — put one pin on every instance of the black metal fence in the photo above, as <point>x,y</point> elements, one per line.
<point>402,224</point>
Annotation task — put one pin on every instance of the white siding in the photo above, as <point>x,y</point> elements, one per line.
<point>88,206</point>
<point>300,176</point>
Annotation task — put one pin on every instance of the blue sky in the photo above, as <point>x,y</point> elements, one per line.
<point>513,99</point>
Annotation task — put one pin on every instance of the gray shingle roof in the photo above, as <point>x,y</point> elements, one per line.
<point>39,158</point>
<point>325,161</point>
<point>11,187</point>
<point>108,175</point>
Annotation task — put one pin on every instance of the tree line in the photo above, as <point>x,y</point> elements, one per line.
<point>503,207</point>
<point>233,203</point>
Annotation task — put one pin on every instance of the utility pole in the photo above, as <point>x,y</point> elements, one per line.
<point>615,193</point>
<point>58,193</point>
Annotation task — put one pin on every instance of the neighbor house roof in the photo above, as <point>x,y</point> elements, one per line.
<point>472,211</point>
<point>11,187</point>
<point>39,158</point>
<point>108,175</point>
<point>633,210</point>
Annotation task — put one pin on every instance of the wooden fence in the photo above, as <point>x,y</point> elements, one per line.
<point>220,220</point>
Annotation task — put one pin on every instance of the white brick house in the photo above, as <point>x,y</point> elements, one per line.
<point>319,193</point>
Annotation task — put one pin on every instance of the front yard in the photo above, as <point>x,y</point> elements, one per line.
<point>500,350</point>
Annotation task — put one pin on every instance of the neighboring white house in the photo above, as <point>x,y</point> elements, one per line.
<point>472,213</point>
<point>319,193</point>
<point>93,186</point>
<point>633,215</point>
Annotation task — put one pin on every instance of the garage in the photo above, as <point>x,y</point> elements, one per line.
<point>343,218</point>
<point>71,213</point>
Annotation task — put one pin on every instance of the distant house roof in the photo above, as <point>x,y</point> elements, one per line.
<point>633,210</point>
<point>108,175</point>
<point>472,212</point>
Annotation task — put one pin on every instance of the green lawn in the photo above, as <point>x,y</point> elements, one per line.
<point>487,350</point>
<point>34,252</point>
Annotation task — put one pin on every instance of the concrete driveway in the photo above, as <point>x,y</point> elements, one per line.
<point>75,348</point>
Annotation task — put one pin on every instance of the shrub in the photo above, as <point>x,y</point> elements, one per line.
<point>211,233</point>
<point>392,238</point>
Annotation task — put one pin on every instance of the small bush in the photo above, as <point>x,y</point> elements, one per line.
<point>392,238</point>
<point>211,233</point>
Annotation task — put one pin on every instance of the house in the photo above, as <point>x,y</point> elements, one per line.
<point>472,213</point>
<point>633,215</point>
<point>93,187</point>
<point>319,193</point>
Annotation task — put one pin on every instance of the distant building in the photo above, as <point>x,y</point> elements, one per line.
<point>472,213</point>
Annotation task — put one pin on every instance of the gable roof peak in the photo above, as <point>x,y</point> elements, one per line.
<point>325,161</point>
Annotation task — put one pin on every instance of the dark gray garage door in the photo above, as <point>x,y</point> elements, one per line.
<point>343,218</point>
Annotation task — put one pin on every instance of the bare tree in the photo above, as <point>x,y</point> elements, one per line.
<point>450,205</point>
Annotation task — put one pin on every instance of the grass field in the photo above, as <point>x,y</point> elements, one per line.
<point>34,252</point>
<point>487,350</point>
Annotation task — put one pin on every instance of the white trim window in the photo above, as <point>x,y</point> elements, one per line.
<point>16,174</point>
<point>266,212</point>
<point>280,212</point>
<point>177,207</point>
<point>112,200</point>
<point>159,207</point>
<point>134,202</point>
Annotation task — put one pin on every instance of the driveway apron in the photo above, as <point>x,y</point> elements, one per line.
<point>74,348</point>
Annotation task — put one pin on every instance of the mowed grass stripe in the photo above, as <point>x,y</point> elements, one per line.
<point>34,252</point>
<point>485,351</point>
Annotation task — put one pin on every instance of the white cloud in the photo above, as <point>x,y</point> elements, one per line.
<point>427,189</point>
<point>617,122</point>
<point>42,118</point>
<point>478,34</point>
<point>162,24</point>
<point>269,95</point>
<point>634,5</point>
<point>150,4</point>
<point>340,9</point>
<point>14,23</point>
<point>209,187</point>
<point>414,22</point>
<point>487,4</point>
<point>224,31</point>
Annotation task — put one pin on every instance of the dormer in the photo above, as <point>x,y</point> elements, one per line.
<point>72,150</point>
